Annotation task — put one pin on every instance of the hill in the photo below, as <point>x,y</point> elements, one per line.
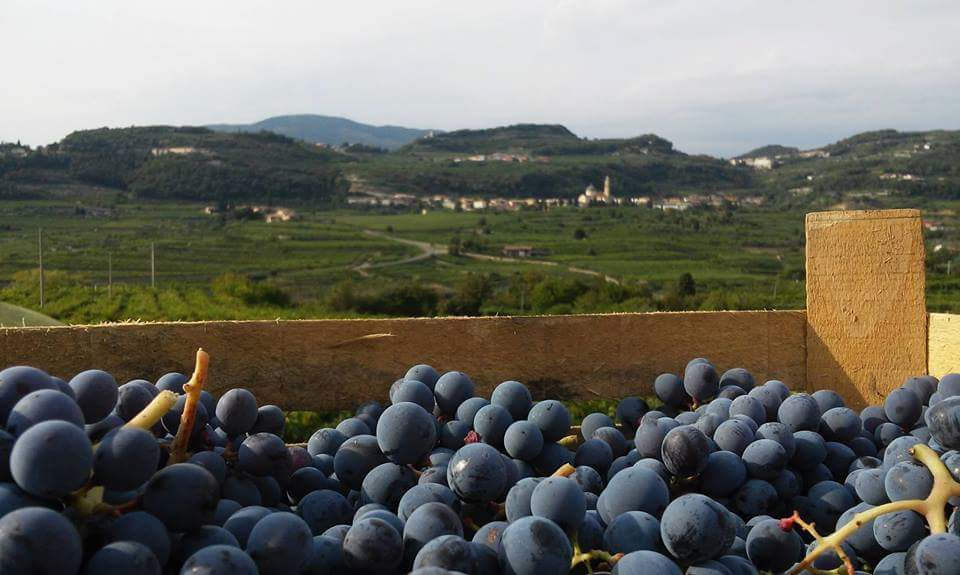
<point>186,163</point>
<point>16,316</point>
<point>330,130</point>
<point>770,151</point>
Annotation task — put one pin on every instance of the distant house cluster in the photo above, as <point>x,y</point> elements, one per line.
<point>901,177</point>
<point>523,251</point>
<point>268,213</point>
<point>501,157</point>
<point>758,163</point>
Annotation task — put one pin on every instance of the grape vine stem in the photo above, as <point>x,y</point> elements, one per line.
<point>156,409</point>
<point>932,508</point>
<point>178,450</point>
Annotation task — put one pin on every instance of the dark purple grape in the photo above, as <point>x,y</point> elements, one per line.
<point>700,381</point>
<point>133,397</point>
<point>773,548</point>
<point>552,418</point>
<point>51,459</point>
<point>125,459</point>
<point>237,411</point>
<point>535,546</point>
<point>43,405</point>
<point>143,528</point>
<point>220,560</point>
<point>386,484</point>
<point>476,472</point>
<point>327,441</point>
<point>633,531</point>
<point>241,523</point>
<point>413,391</point>
<point>326,557</point>
<point>264,454</point>
<point>406,433</point>
<point>935,555</point>
<point>428,522</point>
<point>800,412</point>
<point>491,422</point>
<point>270,419</point>
<point>695,528</point>
<point>424,374</point>
<point>724,474</point>
<point>515,397</point>
<point>827,399</point>
<point>95,392</point>
<point>645,562</point>
<point>212,462</point>
<point>183,496</point>
<point>18,381</point>
<point>633,489</point>
<point>685,450</point>
<point>452,389</point>
<point>172,381</point>
<point>449,552</point>
<point>560,500</point>
<point>279,544</point>
<point>372,545</point>
<point>38,540</point>
<point>902,407</point>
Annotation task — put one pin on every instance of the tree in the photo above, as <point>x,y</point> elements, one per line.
<point>579,234</point>
<point>686,286</point>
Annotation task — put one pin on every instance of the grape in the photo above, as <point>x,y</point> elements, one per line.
<point>490,534</point>
<point>907,480</point>
<point>372,545</point>
<point>840,424</point>
<point>143,528</point>
<point>614,438</point>
<point>51,459</point>
<point>644,563</point>
<point>750,407</point>
<point>708,423</point>
<point>829,501</point>
<point>386,483</point>
<point>902,407</point>
<point>448,552</point>
<point>264,454</point>
<point>811,450</point>
<point>426,493</point>
<point>649,439</point>
<point>899,530</point>
<point>871,417</point>
<point>237,411</point>
<point>171,420</point>
<point>594,453</point>
<point>687,417</point>
<point>633,489</point>
<point>428,522</point>
<point>886,433</point>
<point>220,560</point>
<point>535,546</point>
<point>923,386</point>
<point>322,509</point>
<point>669,389</point>
<point>771,547</point>
<point>755,497</point>
<point>935,555</point>
<point>416,392</point>
<point>270,419</point>
<point>43,405</point>
<point>730,392</point>
<point>523,440</point>
<point>133,397</point>
<point>355,458</point>
<point>633,531</point>
<point>552,418</point>
<point>799,412</point>
<point>424,374</point>
<point>352,427</point>
<point>406,433</point>
<point>629,412</point>
<point>593,422</point>
<point>18,381</point>
<point>242,490</point>
<point>695,528</point>
<point>324,463</point>
<point>326,557</point>
<point>517,504</point>
<point>765,459</point>
<point>898,451</point>
<point>723,475</point>
<point>827,399</point>
<point>212,462</point>
<point>38,540</point>
<point>700,381</point>
<point>733,435</point>
<point>738,377</point>
<point>467,411</point>
<point>709,567</point>
<point>125,459</point>
<point>95,392</point>
<point>943,421</point>
<point>326,441</point>
<point>588,479</point>
<point>839,458</point>
<point>685,450</point>
<point>893,564</point>
<point>560,500</point>
<point>515,397</point>
<point>241,523</point>
<point>280,543</point>
<point>476,472</point>
<point>225,508</point>
<point>870,488</point>
<point>172,382</point>
<point>491,422</point>
<point>123,558</point>
<point>788,484</point>
<point>453,434</point>
<point>196,539</point>
<point>183,496</point>
<point>452,389</point>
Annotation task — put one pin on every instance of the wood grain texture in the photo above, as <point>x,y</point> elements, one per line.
<point>337,364</point>
<point>943,355</point>
<point>866,311</point>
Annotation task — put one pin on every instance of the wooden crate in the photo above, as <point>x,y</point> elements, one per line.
<point>865,330</point>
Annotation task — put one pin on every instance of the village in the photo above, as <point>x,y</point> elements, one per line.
<point>591,196</point>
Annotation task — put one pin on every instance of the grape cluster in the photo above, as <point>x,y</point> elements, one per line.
<point>724,477</point>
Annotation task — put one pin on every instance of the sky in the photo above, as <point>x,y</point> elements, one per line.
<point>716,77</point>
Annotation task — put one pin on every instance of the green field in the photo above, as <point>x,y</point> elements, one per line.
<point>212,267</point>
<point>16,316</point>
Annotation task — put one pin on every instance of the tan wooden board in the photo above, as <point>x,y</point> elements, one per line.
<point>337,364</point>
<point>867,323</point>
<point>944,347</point>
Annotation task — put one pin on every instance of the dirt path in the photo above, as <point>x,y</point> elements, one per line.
<point>428,250</point>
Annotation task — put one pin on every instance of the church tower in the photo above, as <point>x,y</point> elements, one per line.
<point>606,188</point>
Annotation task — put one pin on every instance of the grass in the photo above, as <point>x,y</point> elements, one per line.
<point>16,316</point>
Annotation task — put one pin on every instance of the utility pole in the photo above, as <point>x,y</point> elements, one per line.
<point>40,258</point>
<point>153,268</point>
<point>110,275</point>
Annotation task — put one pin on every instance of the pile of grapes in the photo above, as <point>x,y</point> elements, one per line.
<point>724,477</point>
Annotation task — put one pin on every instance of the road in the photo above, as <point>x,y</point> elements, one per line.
<point>428,250</point>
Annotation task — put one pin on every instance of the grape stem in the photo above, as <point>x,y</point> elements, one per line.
<point>932,508</point>
<point>178,450</point>
<point>151,414</point>
<point>565,470</point>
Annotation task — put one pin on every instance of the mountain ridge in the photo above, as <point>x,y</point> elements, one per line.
<point>329,130</point>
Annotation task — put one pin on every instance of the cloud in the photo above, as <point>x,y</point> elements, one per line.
<point>716,77</point>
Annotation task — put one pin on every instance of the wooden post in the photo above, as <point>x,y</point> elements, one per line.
<point>40,261</point>
<point>866,311</point>
<point>153,268</point>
